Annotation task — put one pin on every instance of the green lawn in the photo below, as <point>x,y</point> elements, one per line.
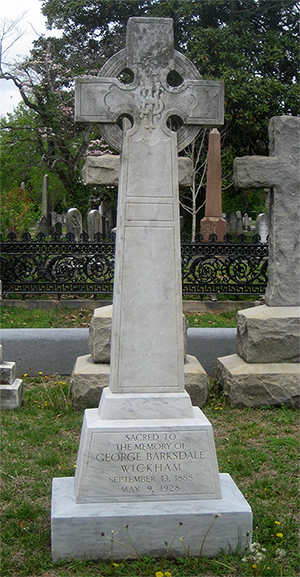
<point>258,447</point>
<point>12,317</point>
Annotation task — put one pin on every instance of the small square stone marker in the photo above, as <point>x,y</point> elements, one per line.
<point>147,457</point>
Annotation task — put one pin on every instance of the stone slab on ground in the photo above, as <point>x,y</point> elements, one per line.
<point>77,528</point>
<point>259,384</point>
<point>89,378</point>
<point>269,334</point>
<point>11,396</point>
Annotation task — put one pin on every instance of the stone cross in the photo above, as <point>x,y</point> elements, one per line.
<point>213,223</point>
<point>147,343</point>
<point>280,172</point>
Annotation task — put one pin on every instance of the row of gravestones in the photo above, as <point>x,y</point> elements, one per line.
<point>96,222</point>
<point>236,224</point>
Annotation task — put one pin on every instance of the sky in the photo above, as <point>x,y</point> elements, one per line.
<point>32,26</point>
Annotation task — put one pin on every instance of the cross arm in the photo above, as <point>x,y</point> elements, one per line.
<point>104,170</point>
<point>101,100</point>
<point>197,102</point>
<point>256,171</point>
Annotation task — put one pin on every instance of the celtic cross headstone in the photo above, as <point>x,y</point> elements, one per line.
<point>280,173</point>
<point>146,329</point>
<point>146,452</point>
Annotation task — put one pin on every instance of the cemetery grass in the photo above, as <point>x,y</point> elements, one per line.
<point>18,318</point>
<point>257,447</point>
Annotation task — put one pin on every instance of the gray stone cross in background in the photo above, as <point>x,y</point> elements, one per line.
<point>280,172</point>
<point>147,342</point>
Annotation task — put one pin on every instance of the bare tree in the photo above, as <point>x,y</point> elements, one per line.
<point>196,151</point>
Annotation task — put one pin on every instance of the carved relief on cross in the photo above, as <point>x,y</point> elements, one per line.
<point>150,99</point>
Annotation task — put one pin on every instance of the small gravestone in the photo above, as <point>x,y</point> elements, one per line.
<point>213,222</point>
<point>58,228</point>
<point>74,223</point>
<point>234,223</point>
<point>11,388</point>
<point>262,226</point>
<point>246,221</point>
<point>266,370</point>
<point>147,457</point>
<point>93,223</point>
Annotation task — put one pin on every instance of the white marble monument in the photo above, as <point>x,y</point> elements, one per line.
<point>147,458</point>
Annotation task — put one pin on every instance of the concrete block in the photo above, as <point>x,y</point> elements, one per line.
<point>269,334</point>
<point>7,373</point>
<point>87,381</point>
<point>259,384</point>
<point>11,396</point>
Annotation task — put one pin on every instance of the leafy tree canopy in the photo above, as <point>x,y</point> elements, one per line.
<point>251,44</point>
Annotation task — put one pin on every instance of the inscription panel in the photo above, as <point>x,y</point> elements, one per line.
<point>158,465</point>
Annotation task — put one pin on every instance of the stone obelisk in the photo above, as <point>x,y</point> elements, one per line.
<point>213,223</point>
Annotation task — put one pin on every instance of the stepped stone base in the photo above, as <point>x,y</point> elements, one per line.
<point>11,396</point>
<point>259,384</point>
<point>89,378</point>
<point>77,529</point>
<point>269,334</point>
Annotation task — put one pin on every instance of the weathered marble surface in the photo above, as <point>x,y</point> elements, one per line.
<point>269,334</point>
<point>77,528</point>
<point>112,450</point>
<point>280,172</point>
<point>259,384</point>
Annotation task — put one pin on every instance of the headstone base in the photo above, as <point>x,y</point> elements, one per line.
<point>77,529</point>
<point>11,396</point>
<point>88,380</point>
<point>213,225</point>
<point>259,384</point>
<point>269,334</point>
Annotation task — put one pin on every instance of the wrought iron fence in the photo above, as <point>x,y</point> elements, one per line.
<point>62,266</point>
